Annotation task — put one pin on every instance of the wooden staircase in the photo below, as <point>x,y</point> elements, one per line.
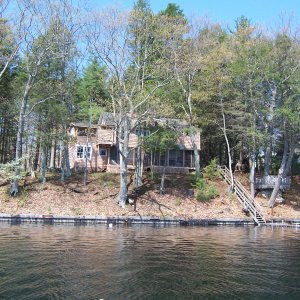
<point>243,196</point>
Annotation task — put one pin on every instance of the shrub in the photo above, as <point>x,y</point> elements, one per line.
<point>205,191</point>
<point>211,171</point>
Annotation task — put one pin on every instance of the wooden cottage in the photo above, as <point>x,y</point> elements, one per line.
<point>99,144</point>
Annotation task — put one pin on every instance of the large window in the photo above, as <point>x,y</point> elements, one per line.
<point>189,159</point>
<point>142,132</point>
<point>158,159</point>
<point>176,158</point>
<point>84,151</point>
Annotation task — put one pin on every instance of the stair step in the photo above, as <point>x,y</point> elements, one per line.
<point>244,197</point>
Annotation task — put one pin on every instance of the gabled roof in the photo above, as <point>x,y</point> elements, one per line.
<point>83,125</point>
<point>170,122</point>
<point>108,119</point>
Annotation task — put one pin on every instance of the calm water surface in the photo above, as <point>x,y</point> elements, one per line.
<point>142,262</point>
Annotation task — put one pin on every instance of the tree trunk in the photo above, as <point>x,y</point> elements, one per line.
<point>290,158</point>
<point>139,166</point>
<point>123,193</point>
<point>280,174</point>
<point>62,168</point>
<point>268,154</point>
<point>162,181</point>
<point>123,135</point>
<point>25,144</point>
<point>60,155</point>
<point>151,164</point>
<point>21,121</point>
<point>85,170</point>
<point>65,163</point>
<point>36,155</point>
<point>43,164</point>
<point>86,161</point>
<point>252,173</point>
<point>228,146</point>
<point>241,154</point>
<point>4,131</point>
<point>52,154</point>
<point>196,152</point>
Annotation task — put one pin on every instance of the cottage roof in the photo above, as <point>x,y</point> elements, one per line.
<point>169,122</point>
<point>108,119</point>
<point>83,125</point>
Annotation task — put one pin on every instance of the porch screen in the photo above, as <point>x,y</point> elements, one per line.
<point>189,160</point>
<point>176,158</point>
<point>159,159</point>
<point>130,160</point>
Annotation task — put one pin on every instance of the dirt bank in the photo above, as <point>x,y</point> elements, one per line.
<point>99,198</point>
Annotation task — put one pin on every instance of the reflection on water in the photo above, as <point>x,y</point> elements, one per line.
<point>141,262</point>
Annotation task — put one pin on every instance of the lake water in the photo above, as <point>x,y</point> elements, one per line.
<point>143,262</point>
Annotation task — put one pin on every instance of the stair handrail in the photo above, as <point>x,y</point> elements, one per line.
<point>243,195</point>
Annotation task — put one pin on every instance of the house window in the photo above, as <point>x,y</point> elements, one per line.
<point>142,132</point>
<point>79,151</point>
<point>88,152</point>
<point>82,132</point>
<point>146,132</point>
<point>84,151</point>
<point>103,152</point>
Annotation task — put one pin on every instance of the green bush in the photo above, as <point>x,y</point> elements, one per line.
<point>275,165</point>
<point>211,171</point>
<point>205,191</point>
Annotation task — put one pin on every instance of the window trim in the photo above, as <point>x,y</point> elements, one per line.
<point>84,147</point>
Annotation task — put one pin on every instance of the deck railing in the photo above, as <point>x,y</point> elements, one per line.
<point>268,182</point>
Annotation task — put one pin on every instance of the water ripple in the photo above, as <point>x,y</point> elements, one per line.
<point>141,262</point>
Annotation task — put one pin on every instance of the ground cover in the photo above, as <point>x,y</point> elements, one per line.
<point>98,197</point>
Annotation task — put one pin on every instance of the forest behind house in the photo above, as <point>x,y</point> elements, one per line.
<point>61,63</point>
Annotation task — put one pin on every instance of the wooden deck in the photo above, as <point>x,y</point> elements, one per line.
<point>268,182</point>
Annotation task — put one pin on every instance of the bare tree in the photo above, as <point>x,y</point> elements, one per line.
<point>136,59</point>
<point>12,30</point>
<point>50,25</point>
<point>191,54</point>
